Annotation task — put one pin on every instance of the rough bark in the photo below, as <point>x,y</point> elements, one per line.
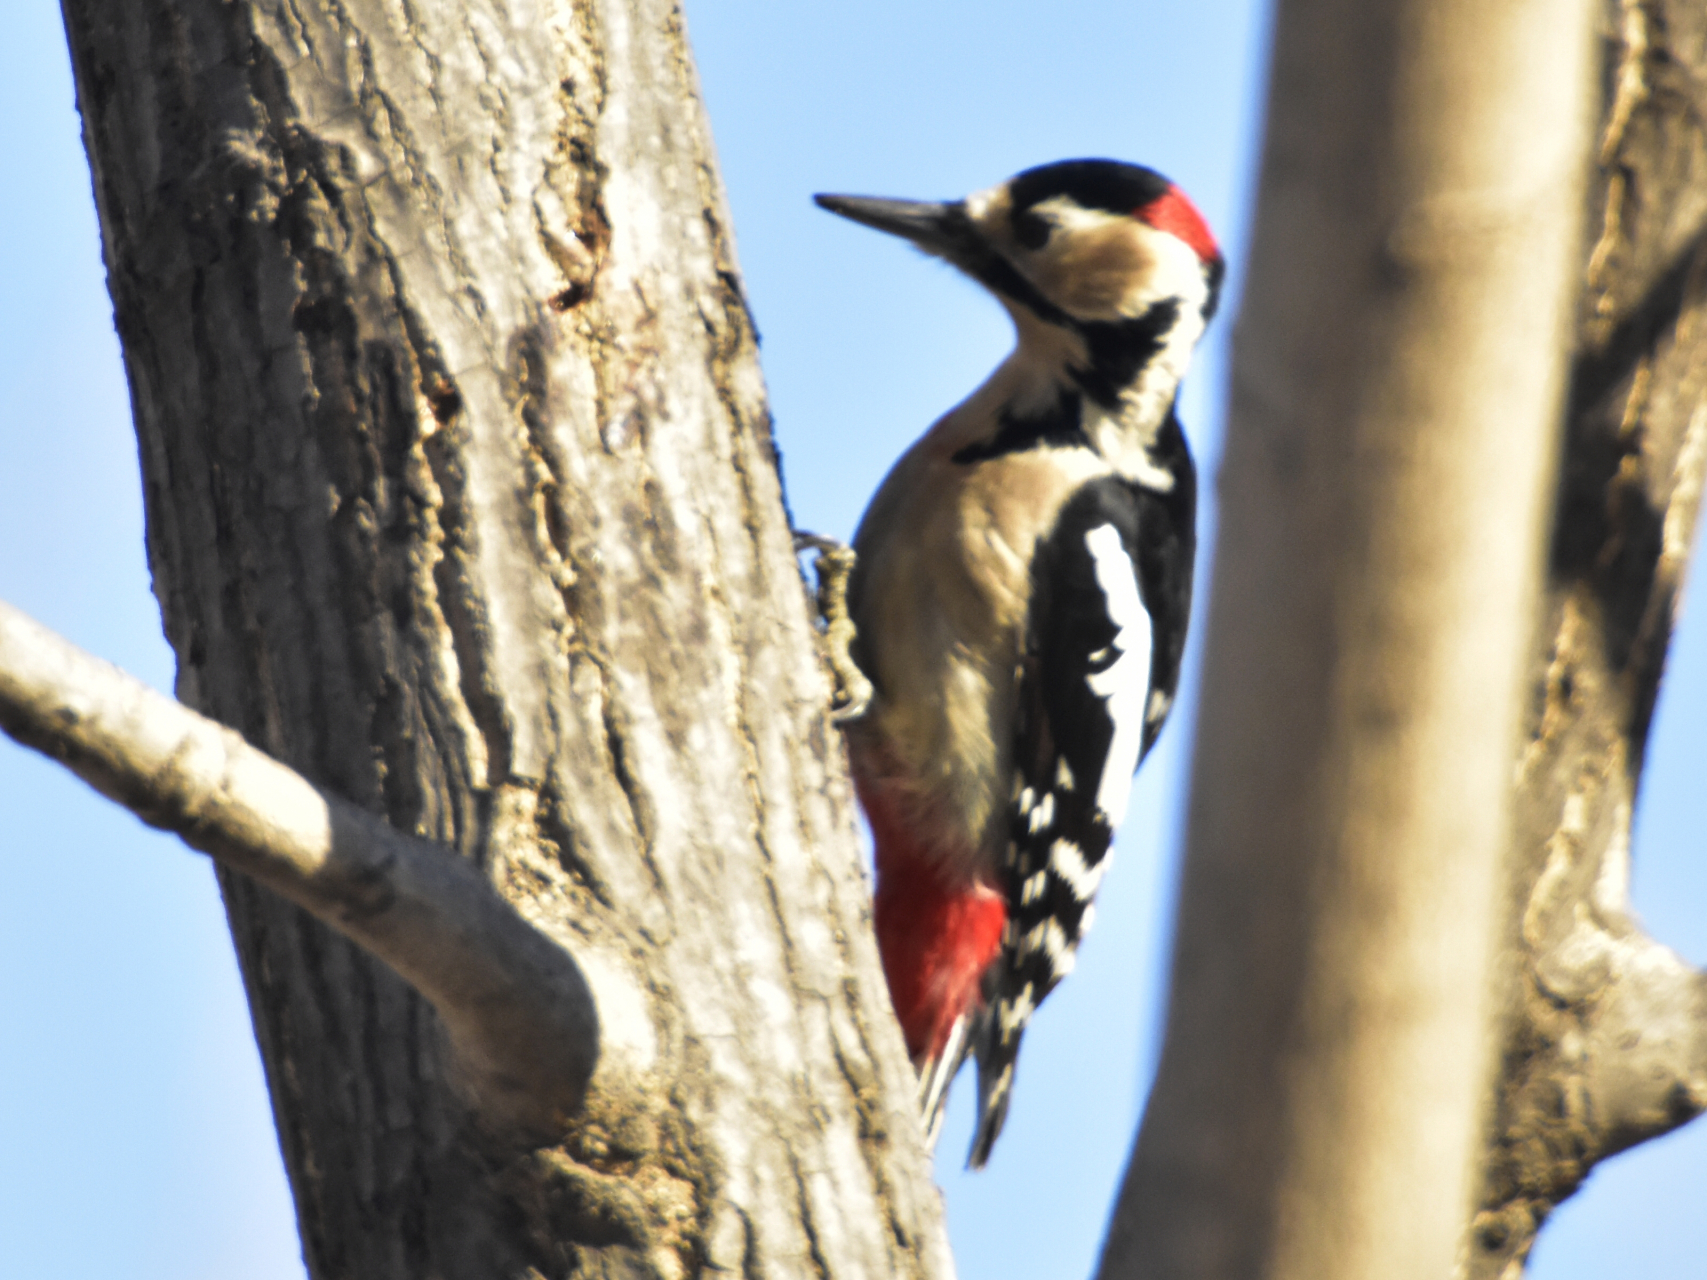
<point>1384,496</point>
<point>462,502</point>
<point>1606,1042</point>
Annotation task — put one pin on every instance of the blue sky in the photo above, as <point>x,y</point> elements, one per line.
<point>128,1074</point>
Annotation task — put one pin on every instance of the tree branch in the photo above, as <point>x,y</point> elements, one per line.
<point>1606,1046</point>
<point>516,1007</point>
<point>1605,1038</point>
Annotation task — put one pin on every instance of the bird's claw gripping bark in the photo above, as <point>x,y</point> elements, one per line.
<point>833,563</point>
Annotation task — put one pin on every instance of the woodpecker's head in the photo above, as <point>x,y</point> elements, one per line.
<point>1110,255</point>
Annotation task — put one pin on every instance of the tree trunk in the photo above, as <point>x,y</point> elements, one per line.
<point>1604,1039</point>
<point>1606,1034</point>
<point>462,501</point>
<point>1384,498</point>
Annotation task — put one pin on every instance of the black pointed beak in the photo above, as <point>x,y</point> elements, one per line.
<point>944,229</point>
<point>934,226</point>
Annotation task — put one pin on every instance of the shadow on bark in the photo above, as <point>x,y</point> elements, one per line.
<point>1606,1035</point>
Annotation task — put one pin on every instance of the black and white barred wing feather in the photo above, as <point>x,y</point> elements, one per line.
<point>1095,684</point>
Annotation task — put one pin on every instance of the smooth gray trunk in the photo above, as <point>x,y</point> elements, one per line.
<point>1379,630</point>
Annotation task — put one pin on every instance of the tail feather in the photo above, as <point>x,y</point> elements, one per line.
<point>974,1034</point>
<point>936,1074</point>
<point>996,1059</point>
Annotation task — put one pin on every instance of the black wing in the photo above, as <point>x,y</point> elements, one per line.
<point>1110,602</point>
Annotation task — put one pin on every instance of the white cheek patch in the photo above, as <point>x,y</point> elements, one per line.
<point>1178,273</point>
<point>1125,685</point>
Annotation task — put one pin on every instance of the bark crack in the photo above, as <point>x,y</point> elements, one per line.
<point>808,1223</point>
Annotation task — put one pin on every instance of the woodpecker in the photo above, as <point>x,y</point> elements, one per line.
<point>1020,596</point>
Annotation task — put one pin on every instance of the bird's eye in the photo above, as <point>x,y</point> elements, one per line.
<point>1032,229</point>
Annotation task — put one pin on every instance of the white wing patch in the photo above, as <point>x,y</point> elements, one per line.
<point>1069,865</point>
<point>1044,813</point>
<point>1125,685</point>
<point>1049,940</point>
<point>1015,1013</point>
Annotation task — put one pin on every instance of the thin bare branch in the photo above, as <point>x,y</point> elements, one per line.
<point>516,1008</point>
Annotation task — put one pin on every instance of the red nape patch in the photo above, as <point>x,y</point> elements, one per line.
<point>1178,216</point>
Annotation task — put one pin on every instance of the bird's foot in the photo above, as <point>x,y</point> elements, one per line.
<point>833,563</point>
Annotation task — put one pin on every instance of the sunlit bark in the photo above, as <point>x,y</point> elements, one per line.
<point>462,504</point>
<point>1384,499</point>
